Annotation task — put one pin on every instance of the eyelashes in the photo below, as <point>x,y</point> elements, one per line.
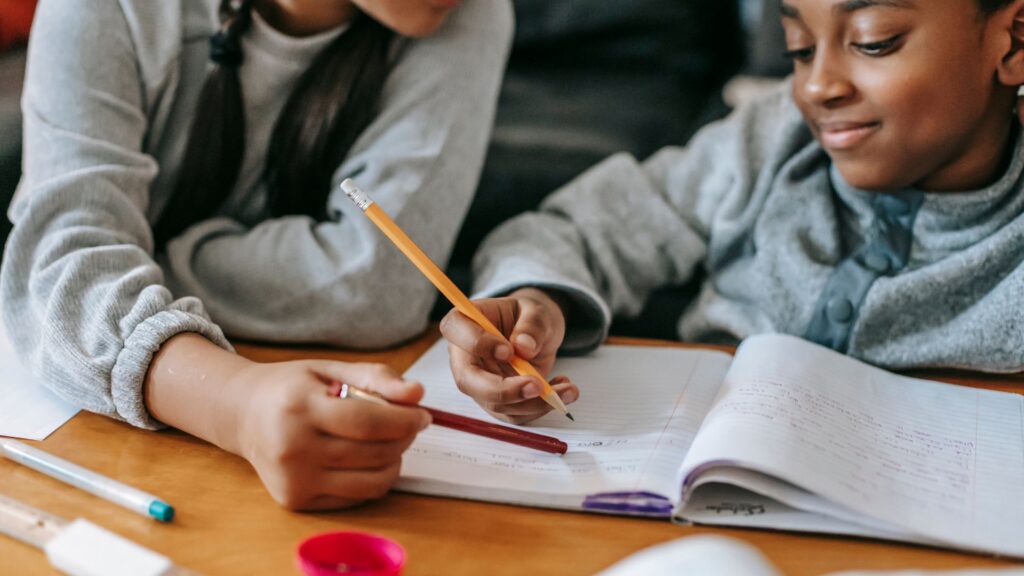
<point>871,49</point>
<point>799,54</point>
<point>881,48</point>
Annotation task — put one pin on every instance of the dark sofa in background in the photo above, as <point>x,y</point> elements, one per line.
<point>12,73</point>
<point>586,78</point>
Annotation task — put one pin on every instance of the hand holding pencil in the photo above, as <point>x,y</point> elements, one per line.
<point>535,328</point>
<point>513,399</point>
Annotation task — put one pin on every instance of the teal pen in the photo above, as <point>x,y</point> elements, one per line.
<point>107,488</point>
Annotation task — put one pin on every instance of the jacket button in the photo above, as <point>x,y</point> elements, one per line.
<point>877,262</point>
<point>839,310</point>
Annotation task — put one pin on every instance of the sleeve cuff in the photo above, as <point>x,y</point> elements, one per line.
<point>129,372</point>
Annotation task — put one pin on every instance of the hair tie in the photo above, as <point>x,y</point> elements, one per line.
<point>225,45</point>
<point>226,49</point>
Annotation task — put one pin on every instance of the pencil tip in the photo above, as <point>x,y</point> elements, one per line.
<point>569,416</point>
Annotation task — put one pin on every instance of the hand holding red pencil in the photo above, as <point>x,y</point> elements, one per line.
<point>463,423</point>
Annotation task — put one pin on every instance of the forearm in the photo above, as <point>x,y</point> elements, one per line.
<point>191,386</point>
<point>255,287</point>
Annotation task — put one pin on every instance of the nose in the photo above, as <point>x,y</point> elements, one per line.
<point>827,83</point>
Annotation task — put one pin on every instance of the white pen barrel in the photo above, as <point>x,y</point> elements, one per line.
<point>75,475</point>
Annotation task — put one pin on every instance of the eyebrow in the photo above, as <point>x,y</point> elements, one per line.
<point>849,6</point>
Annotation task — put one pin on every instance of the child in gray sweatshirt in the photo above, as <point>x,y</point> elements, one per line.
<point>181,165</point>
<point>876,206</point>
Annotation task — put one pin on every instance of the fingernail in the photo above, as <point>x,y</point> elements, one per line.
<point>530,391</point>
<point>426,421</point>
<point>526,341</point>
<point>569,396</point>
<point>502,352</point>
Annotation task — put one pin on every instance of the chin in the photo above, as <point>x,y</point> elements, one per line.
<point>872,176</point>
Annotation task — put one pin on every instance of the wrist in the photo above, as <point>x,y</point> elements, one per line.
<point>192,385</point>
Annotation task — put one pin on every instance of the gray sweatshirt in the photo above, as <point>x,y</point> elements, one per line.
<point>904,279</point>
<point>110,90</point>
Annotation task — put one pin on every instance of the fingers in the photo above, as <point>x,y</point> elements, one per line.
<point>333,489</point>
<point>342,454</point>
<point>355,419</point>
<point>467,335</point>
<point>490,389</point>
<point>533,330</point>
<point>527,322</point>
<point>359,484</point>
<point>536,406</point>
<point>511,396</point>
<point>376,378</point>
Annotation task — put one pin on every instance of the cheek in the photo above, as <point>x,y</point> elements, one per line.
<point>932,97</point>
<point>928,124</point>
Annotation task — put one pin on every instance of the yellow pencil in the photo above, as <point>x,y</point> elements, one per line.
<point>445,285</point>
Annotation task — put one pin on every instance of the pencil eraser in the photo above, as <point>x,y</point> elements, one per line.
<point>355,194</point>
<point>85,549</point>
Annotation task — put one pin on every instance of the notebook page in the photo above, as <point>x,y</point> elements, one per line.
<point>638,411</point>
<point>942,461</point>
<point>27,408</point>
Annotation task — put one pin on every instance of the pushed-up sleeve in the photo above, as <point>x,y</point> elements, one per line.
<point>83,301</point>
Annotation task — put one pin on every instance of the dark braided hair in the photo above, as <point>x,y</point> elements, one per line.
<point>334,100</point>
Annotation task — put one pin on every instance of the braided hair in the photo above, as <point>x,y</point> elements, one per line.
<point>333,101</point>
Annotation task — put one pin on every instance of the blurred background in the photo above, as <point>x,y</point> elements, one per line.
<point>586,79</point>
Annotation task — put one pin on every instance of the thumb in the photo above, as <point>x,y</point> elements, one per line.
<point>533,333</point>
<point>400,391</point>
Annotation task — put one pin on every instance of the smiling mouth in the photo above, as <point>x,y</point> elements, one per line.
<point>846,135</point>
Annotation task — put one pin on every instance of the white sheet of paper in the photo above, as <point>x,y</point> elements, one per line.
<point>638,411</point>
<point>27,409</point>
<point>704,555</point>
<point>710,555</point>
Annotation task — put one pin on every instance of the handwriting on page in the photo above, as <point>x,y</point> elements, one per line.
<point>451,447</point>
<point>594,462</point>
<point>878,455</point>
<point>637,414</point>
<point>825,433</point>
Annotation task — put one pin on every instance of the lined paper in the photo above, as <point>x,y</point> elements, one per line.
<point>638,412</point>
<point>941,461</point>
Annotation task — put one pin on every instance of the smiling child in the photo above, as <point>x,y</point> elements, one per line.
<point>875,206</point>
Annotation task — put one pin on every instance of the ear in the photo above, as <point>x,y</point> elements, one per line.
<point>1011,67</point>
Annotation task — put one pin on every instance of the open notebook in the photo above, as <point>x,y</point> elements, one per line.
<point>785,435</point>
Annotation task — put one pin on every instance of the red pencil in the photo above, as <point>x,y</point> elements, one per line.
<point>467,424</point>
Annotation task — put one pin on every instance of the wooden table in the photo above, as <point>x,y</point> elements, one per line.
<point>227,524</point>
